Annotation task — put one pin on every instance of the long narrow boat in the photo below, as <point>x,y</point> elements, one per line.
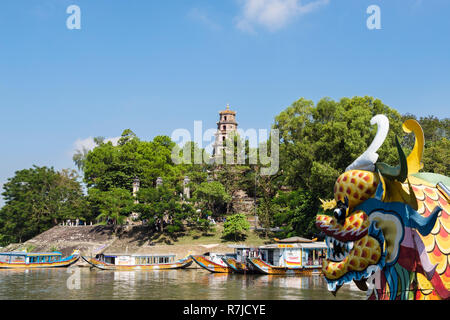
<point>285,259</point>
<point>228,262</point>
<point>213,263</point>
<point>28,260</point>
<point>138,262</point>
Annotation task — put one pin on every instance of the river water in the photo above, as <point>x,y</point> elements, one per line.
<point>189,284</point>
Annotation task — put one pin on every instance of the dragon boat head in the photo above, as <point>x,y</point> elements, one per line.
<point>371,218</point>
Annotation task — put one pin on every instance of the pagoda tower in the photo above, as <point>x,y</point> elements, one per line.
<point>227,124</point>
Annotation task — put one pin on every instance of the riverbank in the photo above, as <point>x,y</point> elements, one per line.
<point>91,240</point>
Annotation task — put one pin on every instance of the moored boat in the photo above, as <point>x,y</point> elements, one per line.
<point>28,260</point>
<point>294,258</point>
<point>236,266</point>
<point>138,261</point>
<point>238,262</point>
<point>213,262</point>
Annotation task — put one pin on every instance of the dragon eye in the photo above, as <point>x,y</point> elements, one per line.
<point>340,214</point>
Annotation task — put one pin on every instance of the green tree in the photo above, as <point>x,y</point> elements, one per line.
<point>195,169</point>
<point>115,205</point>
<point>213,196</point>
<point>163,208</point>
<point>235,227</point>
<point>294,213</point>
<point>108,166</point>
<point>37,199</point>
<point>268,187</point>
<point>436,157</point>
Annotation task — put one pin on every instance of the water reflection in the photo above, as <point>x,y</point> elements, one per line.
<point>195,284</point>
<point>295,282</point>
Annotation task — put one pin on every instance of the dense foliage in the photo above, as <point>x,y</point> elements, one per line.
<point>162,208</point>
<point>37,199</point>
<point>235,227</point>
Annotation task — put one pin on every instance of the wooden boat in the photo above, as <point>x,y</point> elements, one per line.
<point>28,260</point>
<point>294,258</point>
<point>137,262</point>
<point>238,263</point>
<point>236,266</point>
<point>213,263</point>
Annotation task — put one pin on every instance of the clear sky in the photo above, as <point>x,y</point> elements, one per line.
<point>156,66</point>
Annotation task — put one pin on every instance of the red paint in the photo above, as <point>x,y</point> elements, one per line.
<point>443,233</point>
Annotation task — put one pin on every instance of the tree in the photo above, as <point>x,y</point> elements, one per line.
<point>115,205</point>
<point>232,179</point>
<point>236,173</point>
<point>235,226</point>
<point>80,155</point>
<point>295,208</point>
<point>195,169</point>
<point>213,196</point>
<point>37,199</point>
<point>268,187</point>
<point>162,208</point>
<point>108,166</point>
<point>436,157</point>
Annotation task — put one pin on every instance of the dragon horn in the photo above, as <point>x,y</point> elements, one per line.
<point>422,224</point>
<point>399,172</point>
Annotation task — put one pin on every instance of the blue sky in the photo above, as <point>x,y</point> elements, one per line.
<point>156,66</point>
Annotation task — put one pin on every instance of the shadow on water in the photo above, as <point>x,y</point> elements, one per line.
<point>189,284</point>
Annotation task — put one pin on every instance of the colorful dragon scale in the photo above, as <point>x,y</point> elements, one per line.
<point>389,228</point>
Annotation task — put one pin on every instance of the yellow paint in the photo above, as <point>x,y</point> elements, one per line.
<point>415,157</point>
<point>328,204</point>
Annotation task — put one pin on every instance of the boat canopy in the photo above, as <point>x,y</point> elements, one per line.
<point>239,246</point>
<point>294,240</point>
<point>137,255</point>
<point>22,253</point>
<point>45,254</point>
<point>312,245</point>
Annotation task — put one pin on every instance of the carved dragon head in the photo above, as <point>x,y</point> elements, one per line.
<point>373,216</point>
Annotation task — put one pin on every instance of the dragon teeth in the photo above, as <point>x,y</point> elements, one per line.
<point>337,250</point>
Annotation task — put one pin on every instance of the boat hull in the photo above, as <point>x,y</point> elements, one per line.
<point>236,266</point>
<point>181,264</point>
<point>266,268</point>
<point>210,265</point>
<point>57,264</point>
